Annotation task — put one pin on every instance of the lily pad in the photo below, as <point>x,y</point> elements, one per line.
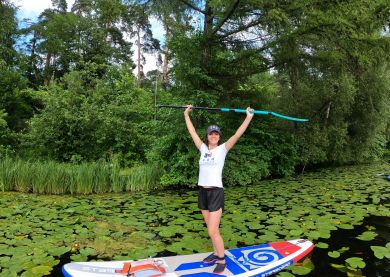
<point>367,236</point>
<point>380,252</point>
<point>41,270</point>
<point>88,252</point>
<point>334,254</point>
<point>343,249</point>
<point>300,270</point>
<point>322,245</point>
<point>345,226</point>
<point>356,262</point>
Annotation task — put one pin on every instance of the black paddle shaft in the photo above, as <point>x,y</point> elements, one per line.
<point>184,107</point>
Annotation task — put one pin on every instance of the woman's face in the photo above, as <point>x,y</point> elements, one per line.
<point>213,138</point>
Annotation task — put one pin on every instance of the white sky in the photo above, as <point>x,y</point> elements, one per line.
<point>32,9</point>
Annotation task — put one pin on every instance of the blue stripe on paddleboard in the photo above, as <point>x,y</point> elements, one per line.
<point>202,274</point>
<point>66,274</point>
<point>194,265</point>
<point>233,267</point>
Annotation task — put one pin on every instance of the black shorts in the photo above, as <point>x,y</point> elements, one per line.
<point>211,199</point>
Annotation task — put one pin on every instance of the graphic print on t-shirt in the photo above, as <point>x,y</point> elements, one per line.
<point>207,159</point>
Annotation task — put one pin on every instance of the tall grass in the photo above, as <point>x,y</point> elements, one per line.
<point>48,177</point>
<point>118,182</point>
<point>22,175</point>
<point>39,177</point>
<point>6,174</point>
<point>84,174</point>
<point>55,175</point>
<point>143,177</point>
<point>101,177</point>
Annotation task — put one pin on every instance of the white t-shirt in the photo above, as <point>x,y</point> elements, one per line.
<point>211,164</point>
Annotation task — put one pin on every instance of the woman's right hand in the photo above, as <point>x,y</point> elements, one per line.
<point>188,110</point>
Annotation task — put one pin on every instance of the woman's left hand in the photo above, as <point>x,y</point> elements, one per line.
<point>248,112</point>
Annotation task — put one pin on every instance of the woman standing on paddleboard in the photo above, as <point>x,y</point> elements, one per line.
<point>211,195</point>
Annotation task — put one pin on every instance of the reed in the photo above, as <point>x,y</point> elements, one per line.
<point>56,178</point>
<point>6,174</point>
<point>40,177</point>
<point>84,174</point>
<point>49,177</point>
<point>101,177</point>
<point>22,172</point>
<point>143,177</point>
<point>118,181</point>
<point>70,179</point>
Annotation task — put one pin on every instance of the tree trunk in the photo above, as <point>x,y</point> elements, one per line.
<point>166,58</point>
<point>47,69</point>
<point>33,47</point>
<point>139,57</point>
<point>32,70</point>
<point>207,34</point>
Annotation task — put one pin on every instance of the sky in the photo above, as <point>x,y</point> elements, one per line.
<point>32,9</point>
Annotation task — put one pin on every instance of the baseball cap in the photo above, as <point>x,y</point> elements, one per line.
<point>213,128</point>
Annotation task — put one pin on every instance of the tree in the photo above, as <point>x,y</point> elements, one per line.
<point>319,56</point>
<point>14,102</point>
<point>8,32</point>
<point>69,40</point>
<point>173,18</point>
<point>87,118</point>
<point>137,23</point>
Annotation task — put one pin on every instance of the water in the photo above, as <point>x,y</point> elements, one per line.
<point>358,248</point>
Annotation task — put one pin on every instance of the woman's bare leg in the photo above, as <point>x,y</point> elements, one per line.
<point>212,220</point>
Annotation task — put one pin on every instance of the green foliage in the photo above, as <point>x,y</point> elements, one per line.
<point>17,102</point>
<point>86,119</point>
<point>8,32</point>
<point>89,33</point>
<point>6,135</point>
<point>324,61</point>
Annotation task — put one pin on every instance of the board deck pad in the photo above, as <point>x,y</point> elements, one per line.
<point>257,260</point>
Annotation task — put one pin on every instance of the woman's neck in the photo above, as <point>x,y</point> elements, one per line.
<point>212,146</point>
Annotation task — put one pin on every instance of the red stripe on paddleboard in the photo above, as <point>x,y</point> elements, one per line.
<point>307,251</point>
<point>284,248</point>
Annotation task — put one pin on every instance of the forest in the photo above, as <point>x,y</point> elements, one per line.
<point>74,94</point>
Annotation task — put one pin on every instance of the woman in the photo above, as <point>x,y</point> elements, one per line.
<point>211,195</point>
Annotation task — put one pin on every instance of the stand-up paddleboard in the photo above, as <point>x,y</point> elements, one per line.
<point>258,260</point>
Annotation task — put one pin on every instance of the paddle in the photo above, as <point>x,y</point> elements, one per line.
<point>238,111</point>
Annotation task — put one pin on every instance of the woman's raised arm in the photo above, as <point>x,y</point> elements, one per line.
<point>232,141</point>
<point>190,127</point>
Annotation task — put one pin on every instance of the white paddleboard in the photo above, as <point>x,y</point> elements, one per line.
<point>258,260</point>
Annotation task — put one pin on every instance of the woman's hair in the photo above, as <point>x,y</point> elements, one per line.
<point>206,141</point>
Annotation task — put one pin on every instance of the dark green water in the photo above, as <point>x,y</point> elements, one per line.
<point>347,238</point>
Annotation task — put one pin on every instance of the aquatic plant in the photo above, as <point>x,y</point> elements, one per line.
<point>41,232</point>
